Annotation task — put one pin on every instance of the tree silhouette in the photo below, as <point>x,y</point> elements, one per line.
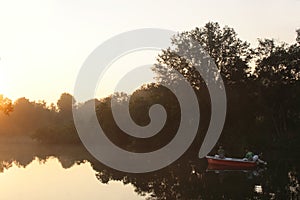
<point>65,105</point>
<point>278,71</point>
<point>230,54</point>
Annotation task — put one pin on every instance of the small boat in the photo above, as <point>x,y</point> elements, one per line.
<point>235,163</point>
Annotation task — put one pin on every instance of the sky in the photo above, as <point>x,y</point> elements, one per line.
<point>43,44</point>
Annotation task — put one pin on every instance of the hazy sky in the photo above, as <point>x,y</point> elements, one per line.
<point>44,43</point>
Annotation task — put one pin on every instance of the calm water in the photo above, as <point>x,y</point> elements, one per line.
<point>49,180</point>
<point>34,171</point>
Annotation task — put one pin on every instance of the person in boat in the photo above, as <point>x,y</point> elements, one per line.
<point>221,152</point>
<point>259,161</point>
<point>249,155</point>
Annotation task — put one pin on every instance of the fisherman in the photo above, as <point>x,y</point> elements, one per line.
<point>221,152</point>
<point>249,155</point>
<point>259,161</point>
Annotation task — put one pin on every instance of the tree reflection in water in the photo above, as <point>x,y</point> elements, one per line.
<point>184,179</point>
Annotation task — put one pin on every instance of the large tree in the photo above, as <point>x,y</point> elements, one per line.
<point>230,54</point>
<point>278,72</point>
<point>65,105</point>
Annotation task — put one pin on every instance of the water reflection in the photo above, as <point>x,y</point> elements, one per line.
<point>70,172</point>
<point>258,189</point>
<point>47,179</point>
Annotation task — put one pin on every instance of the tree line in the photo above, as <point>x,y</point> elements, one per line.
<point>261,83</point>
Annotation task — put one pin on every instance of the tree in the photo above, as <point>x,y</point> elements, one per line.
<point>26,117</point>
<point>65,105</point>
<point>278,72</point>
<point>230,54</point>
<point>65,102</point>
<point>5,105</point>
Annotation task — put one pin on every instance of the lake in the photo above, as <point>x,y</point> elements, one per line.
<point>33,171</point>
<point>49,180</point>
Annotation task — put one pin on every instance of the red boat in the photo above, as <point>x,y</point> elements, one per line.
<point>234,163</point>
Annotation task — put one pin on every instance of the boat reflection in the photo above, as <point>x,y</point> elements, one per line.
<point>249,173</point>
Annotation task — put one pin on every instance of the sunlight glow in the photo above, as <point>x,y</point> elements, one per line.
<point>44,43</point>
<point>50,180</point>
<point>109,82</point>
<point>4,87</point>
